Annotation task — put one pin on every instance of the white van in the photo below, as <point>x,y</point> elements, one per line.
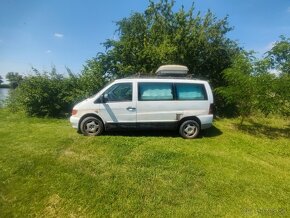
<point>163,102</point>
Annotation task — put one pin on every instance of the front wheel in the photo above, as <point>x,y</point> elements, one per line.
<point>92,126</point>
<point>189,129</point>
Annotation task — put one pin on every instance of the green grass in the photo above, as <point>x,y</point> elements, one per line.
<point>48,170</point>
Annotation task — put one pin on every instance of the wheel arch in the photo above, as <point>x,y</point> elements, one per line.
<point>89,115</point>
<point>190,118</point>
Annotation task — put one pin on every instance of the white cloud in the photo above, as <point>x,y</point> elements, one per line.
<point>48,51</point>
<point>58,35</point>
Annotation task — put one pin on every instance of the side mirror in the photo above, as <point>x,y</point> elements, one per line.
<point>105,98</point>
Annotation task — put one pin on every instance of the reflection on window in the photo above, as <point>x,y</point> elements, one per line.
<point>120,92</point>
<point>155,91</point>
<point>187,91</point>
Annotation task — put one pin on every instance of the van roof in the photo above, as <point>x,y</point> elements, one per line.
<point>161,79</point>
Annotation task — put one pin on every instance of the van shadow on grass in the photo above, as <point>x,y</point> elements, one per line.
<point>208,133</point>
<point>259,129</point>
<point>211,132</point>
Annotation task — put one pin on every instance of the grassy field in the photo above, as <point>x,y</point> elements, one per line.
<point>48,170</point>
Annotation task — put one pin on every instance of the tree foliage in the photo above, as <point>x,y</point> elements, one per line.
<point>51,93</point>
<point>282,87</point>
<point>44,94</point>
<point>160,36</point>
<point>92,79</point>
<point>280,55</point>
<point>14,79</point>
<point>272,88</point>
<point>1,80</point>
<point>241,86</point>
<point>252,87</point>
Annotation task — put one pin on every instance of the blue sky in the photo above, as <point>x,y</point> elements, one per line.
<point>45,33</point>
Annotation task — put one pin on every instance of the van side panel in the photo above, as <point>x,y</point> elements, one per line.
<point>170,111</point>
<point>186,99</point>
<point>157,111</point>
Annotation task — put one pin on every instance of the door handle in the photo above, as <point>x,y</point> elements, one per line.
<point>131,108</point>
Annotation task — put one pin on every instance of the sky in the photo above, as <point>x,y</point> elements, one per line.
<point>66,33</point>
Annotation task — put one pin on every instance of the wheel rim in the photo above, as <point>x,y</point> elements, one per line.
<point>91,126</point>
<point>190,130</point>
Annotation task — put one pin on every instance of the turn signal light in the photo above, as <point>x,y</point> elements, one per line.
<point>74,112</point>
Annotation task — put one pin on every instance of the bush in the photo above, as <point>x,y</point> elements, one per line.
<point>46,94</point>
<point>282,87</point>
<point>252,88</point>
<point>50,94</point>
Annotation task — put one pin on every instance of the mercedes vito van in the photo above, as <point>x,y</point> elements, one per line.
<point>168,101</point>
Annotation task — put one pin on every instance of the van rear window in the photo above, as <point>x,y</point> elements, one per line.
<point>189,91</point>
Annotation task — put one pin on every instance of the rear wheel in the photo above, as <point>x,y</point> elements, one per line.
<point>189,129</point>
<point>92,126</point>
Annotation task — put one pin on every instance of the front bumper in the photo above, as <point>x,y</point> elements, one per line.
<point>74,121</point>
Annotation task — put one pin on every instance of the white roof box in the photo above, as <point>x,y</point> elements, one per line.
<point>172,70</point>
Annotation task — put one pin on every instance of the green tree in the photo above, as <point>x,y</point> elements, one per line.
<point>280,55</point>
<point>14,79</point>
<point>241,86</point>
<point>282,94</point>
<point>91,79</point>
<point>274,95</point>
<point>252,87</point>
<point>1,80</point>
<point>160,35</point>
<point>265,87</point>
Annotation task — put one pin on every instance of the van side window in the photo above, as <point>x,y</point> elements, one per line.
<point>155,91</point>
<point>120,92</point>
<point>189,91</point>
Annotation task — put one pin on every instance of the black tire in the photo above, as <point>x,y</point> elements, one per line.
<point>189,129</point>
<point>92,126</point>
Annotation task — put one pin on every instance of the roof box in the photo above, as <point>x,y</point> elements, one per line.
<point>172,70</point>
